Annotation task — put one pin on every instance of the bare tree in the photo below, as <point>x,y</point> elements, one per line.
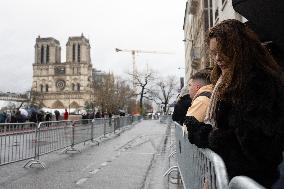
<point>103,91</point>
<point>142,81</point>
<point>111,93</point>
<point>163,91</point>
<point>123,93</point>
<point>36,99</point>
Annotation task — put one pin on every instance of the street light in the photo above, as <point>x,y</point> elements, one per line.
<point>69,96</point>
<point>69,102</point>
<point>181,68</point>
<point>189,40</point>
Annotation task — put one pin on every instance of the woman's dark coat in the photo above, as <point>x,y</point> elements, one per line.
<point>280,183</point>
<point>250,134</point>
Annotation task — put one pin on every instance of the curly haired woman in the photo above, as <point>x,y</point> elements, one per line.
<point>245,119</point>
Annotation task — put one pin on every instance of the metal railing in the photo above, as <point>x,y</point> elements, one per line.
<point>243,182</point>
<point>17,142</point>
<point>166,119</point>
<point>22,141</point>
<point>203,168</point>
<point>198,167</point>
<point>52,136</point>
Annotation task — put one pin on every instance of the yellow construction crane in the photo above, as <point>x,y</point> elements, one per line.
<point>134,52</point>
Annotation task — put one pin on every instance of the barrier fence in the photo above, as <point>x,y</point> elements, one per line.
<point>198,167</point>
<point>166,119</point>
<point>17,142</point>
<point>22,141</point>
<point>202,168</point>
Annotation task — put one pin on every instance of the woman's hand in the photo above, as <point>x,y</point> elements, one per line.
<point>198,132</point>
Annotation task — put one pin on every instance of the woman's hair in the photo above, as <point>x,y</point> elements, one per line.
<point>242,50</point>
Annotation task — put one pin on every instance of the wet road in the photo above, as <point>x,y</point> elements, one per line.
<point>135,158</point>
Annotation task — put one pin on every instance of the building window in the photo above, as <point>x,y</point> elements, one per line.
<point>206,20</point>
<point>59,71</point>
<point>79,53</point>
<point>224,2</point>
<point>47,53</point>
<point>73,52</point>
<point>210,14</point>
<point>73,87</point>
<point>78,86</point>
<point>216,14</point>
<point>42,55</point>
<point>41,88</point>
<point>205,2</point>
<point>46,87</point>
<point>60,84</point>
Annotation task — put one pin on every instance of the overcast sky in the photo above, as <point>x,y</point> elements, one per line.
<point>152,25</point>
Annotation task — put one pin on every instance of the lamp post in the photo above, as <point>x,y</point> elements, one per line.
<point>69,96</point>
<point>181,78</point>
<point>69,102</point>
<point>187,40</point>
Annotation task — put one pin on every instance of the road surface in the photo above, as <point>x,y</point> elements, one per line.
<point>135,158</point>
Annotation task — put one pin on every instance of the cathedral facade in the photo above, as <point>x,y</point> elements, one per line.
<point>59,84</point>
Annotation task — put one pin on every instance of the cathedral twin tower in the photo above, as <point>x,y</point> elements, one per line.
<point>60,85</point>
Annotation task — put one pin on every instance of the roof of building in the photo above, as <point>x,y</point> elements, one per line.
<point>78,38</point>
<point>47,39</point>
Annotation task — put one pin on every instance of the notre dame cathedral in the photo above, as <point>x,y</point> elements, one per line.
<point>59,84</point>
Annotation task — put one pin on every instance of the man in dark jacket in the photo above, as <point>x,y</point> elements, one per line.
<point>48,117</point>
<point>181,106</point>
<point>98,114</point>
<point>57,114</point>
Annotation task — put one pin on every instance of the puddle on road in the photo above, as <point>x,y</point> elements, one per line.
<point>81,181</point>
<point>94,171</point>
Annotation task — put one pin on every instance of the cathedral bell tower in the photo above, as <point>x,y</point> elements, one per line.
<point>47,51</point>
<point>78,50</point>
<point>47,54</point>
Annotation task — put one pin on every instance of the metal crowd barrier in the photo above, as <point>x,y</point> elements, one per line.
<point>136,118</point>
<point>243,182</point>
<point>198,167</point>
<point>203,168</point>
<point>17,142</point>
<point>22,141</point>
<point>166,119</point>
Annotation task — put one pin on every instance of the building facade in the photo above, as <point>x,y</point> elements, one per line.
<point>59,84</point>
<point>197,21</point>
<point>200,16</point>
